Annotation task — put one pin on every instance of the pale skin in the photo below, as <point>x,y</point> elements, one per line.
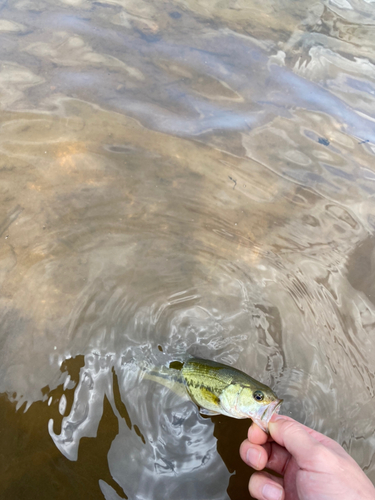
<point>313,466</point>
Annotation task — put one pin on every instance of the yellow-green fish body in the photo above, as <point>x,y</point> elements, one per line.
<point>220,389</point>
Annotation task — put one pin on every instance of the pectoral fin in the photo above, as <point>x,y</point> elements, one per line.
<point>208,413</point>
<point>209,396</point>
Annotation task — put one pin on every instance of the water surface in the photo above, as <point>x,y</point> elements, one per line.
<point>181,176</point>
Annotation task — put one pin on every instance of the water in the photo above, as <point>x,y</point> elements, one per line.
<point>181,176</point>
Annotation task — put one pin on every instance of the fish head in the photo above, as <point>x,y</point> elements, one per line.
<point>257,402</point>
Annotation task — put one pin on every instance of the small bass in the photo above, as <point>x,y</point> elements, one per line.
<point>220,389</point>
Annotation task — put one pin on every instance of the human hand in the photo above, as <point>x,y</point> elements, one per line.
<point>313,466</point>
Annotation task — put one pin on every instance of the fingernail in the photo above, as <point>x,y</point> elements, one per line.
<point>272,492</point>
<point>253,457</point>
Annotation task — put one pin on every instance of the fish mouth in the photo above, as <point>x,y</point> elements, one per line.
<point>272,408</point>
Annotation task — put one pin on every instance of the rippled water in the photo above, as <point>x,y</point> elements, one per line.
<point>181,176</point>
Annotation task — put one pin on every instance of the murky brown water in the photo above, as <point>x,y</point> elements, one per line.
<point>186,176</point>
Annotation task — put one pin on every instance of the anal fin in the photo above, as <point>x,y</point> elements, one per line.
<point>208,413</point>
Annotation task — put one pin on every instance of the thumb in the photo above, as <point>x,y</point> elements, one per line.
<point>297,440</point>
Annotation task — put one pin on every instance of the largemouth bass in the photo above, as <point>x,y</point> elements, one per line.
<point>220,389</point>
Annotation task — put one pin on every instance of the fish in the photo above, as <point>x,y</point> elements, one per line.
<point>219,389</point>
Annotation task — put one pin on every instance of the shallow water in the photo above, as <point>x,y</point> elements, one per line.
<point>186,176</point>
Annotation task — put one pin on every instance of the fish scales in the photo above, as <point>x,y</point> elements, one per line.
<point>221,389</point>
<point>196,369</point>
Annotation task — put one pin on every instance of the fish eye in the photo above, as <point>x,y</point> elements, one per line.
<point>258,395</point>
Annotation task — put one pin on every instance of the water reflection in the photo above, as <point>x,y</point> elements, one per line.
<point>193,175</point>
<point>168,443</point>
